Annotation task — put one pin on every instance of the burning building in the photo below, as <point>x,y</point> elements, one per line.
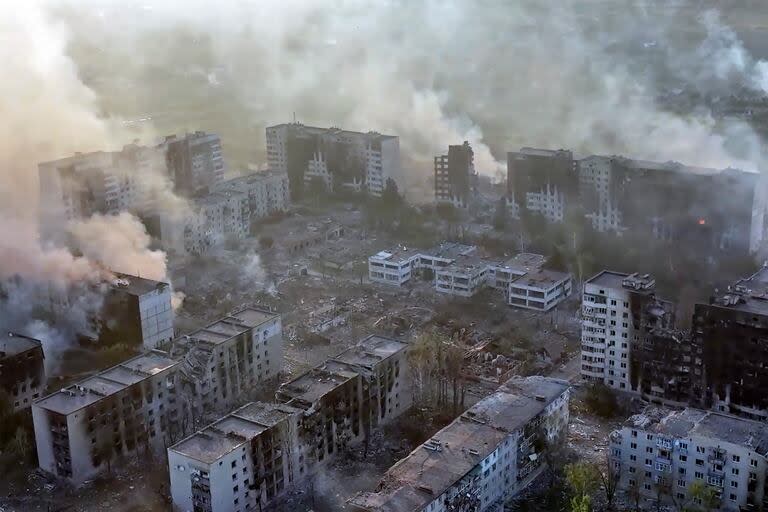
<point>455,176</point>
<point>22,372</point>
<point>487,455</point>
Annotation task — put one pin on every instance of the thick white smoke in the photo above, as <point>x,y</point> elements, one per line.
<point>554,73</point>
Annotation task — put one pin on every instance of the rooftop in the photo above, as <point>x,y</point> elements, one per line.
<point>371,351</point>
<point>12,344</point>
<point>617,280</point>
<point>690,423</point>
<point>748,294</point>
<point>541,278</point>
<point>524,262</point>
<point>136,285</point>
<point>449,250</point>
<point>396,256</point>
<point>232,431</point>
<point>454,451</point>
<point>113,380</point>
<point>543,152</point>
<point>230,326</point>
<point>331,131</point>
<point>311,386</point>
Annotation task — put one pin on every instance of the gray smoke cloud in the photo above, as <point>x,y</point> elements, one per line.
<point>556,73</point>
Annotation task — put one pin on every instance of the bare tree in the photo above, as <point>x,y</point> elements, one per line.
<point>610,476</point>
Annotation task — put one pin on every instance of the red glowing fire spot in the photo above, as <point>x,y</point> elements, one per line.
<point>702,222</point>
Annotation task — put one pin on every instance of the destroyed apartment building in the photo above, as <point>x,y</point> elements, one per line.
<point>460,271</point>
<point>146,403</point>
<point>484,457</point>
<point>22,369</point>
<point>631,342</point>
<point>660,455</point>
<point>252,456</point>
<point>456,178</point>
<point>337,159</point>
<point>680,203</point>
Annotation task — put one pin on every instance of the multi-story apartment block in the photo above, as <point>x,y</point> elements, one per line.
<point>226,359</point>
<point>540,289</point>
<point>346,397</point>
<point>339,158</point>
<point>455,176</point>
<point>22,369</point>
<point>137,311</point>
<point>659,455</point>
<point>267,192</point>
<point>732,333</point>
<point>679,203</point>
<point>240,462</point>
<point>101,182</point>
<point>146,403</point>
<point>133,409</point>
<point>216,217</point>
<point>252,456</point>
<point>612,304</point>
<point>195,162</point>
<point>542,181</point>
<point>487,455</point>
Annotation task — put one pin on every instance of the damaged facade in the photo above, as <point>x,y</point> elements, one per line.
<point>484,457</point>
<point>137,311</point>
<point>142,405</point>
<point>240,462</point>
<point>660,454</point>
<point>337,159</point>
<point>732,332</point>
<point>455,177</point>
<point>681,204</point>
<point>252,456</point>
<point>22,369</point>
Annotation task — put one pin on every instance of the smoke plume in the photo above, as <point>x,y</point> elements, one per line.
<point>553,73</point>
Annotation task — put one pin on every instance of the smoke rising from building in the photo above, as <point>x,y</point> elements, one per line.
<point>569,74</point>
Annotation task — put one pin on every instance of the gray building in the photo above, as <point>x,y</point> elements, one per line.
<point>484,457</point>
<point>455,176</point>
<point>195,162</point>
<point>337,159</point>
<point>249,458</point>
<point>660,454</point>
<point>142,405</point>
<point>22,369</point>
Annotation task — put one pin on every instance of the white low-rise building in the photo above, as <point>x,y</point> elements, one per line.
<point>464,277</point>
<point>660,455</point>
<point>483,458</point>
<point>541,290</point>
<point>397,266</point>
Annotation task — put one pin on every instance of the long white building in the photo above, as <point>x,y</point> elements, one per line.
<point>484,457</point>
<point>540,289</point>
<point>660,454</point>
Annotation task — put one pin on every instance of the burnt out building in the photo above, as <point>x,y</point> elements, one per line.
<point>335,159</point>
<point>349,395</point>
<point>455,176</point>
<point>195,162</point>
<point>630,340</point>
<point>543,182</point>
<point>22,369</point>
<point>240,462</point>
<point>702,208</point>
<point>133,410</point>
<point>143,405</point>
<point>733,333</point>
<point>251,457</point>
<point>137,311</point>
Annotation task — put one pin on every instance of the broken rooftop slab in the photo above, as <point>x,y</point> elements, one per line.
<point>12,344</point>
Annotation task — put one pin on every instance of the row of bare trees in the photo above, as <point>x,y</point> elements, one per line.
<point>437,368</point>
